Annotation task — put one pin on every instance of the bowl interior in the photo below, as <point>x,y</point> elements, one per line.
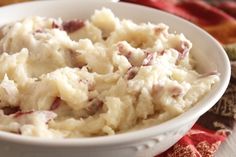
<point>206,50</point>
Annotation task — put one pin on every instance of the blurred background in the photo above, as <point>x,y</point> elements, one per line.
<point>5,2</point>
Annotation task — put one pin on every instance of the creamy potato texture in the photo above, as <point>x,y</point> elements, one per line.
<point>103,76</point>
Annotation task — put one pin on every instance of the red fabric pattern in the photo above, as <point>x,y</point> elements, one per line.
<point>211,18</point>
<point>198,142</point>
<point>196,11</point>
<point>228,7</point>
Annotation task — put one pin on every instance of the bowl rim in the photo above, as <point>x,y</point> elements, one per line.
<point>129,137</point>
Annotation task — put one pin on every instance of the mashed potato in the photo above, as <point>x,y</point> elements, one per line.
<point>67,79</point>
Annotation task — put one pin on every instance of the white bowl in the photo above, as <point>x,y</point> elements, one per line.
<point>142,143</point>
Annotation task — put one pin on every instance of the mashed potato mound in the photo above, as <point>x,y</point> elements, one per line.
<point>103,76</point>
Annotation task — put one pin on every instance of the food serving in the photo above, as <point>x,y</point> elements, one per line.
<point>103,76</point>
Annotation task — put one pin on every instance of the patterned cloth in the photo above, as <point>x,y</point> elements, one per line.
<point>218,17</point>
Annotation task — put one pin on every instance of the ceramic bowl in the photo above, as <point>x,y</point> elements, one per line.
<point>142,143</point>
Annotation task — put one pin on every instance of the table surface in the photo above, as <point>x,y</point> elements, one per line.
<point>227,149</point>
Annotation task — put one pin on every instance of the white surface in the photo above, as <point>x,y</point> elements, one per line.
<point>143,143</point>
<point>227,149</point>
